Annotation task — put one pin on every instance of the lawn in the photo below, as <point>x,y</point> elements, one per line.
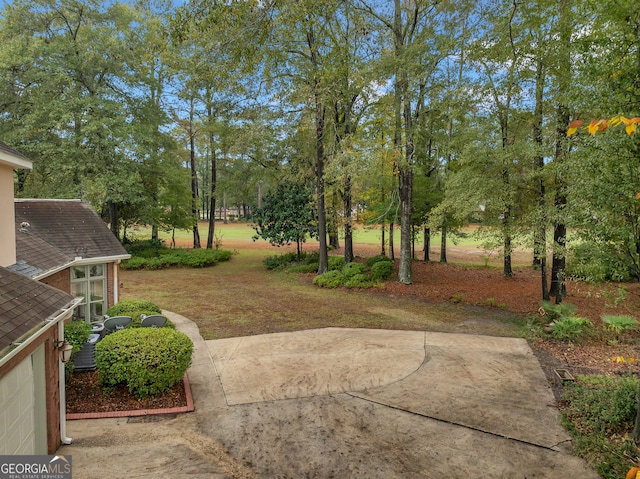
<point>240,297</point>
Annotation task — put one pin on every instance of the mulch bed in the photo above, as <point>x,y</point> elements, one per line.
<point>84,395</point>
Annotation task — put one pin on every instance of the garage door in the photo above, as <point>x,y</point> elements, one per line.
<point>21,420</point>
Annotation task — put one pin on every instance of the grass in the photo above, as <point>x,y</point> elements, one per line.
<point>244,231</point>
<point>240,297</point>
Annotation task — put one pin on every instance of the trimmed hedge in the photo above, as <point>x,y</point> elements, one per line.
<point>136,308</point>
<point>124,308</point>
<point>162,259</point>
<point>147,360</point>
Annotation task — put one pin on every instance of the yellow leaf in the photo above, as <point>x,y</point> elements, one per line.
<point>630,129</point>
<point>637,196</point>
<point>571,131</point>
<point>616,120</point>
<point>593,127</point>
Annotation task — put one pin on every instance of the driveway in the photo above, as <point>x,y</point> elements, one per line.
<point>344,403</point>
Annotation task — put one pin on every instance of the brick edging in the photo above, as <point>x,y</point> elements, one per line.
<point>141,412</point>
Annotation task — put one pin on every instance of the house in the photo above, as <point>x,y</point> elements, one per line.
<point>31,333</point>
<point>65,244</point>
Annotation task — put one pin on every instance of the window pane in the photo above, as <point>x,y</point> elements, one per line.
<point>96,270</point>
<point>80,313</point>
<point>79,289</point>
<point>78,272</point>
<point>97,311</point>
<point>97,290</point>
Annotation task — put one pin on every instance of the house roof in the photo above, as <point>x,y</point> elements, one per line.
<point>25,303</point>
<point>53,234</point>
<point>13,158</point>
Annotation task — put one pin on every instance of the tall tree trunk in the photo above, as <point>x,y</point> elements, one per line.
<point>427,244</point>
<point>323,263</point>
<point>194,178</point>
<point>506,267</point>
<point>114,220</point>
<point>212,205</point>
<point>443,243</point>
<point>348,230</point>
<point>540,230</point>
<point>392,253</point>
<point>558,285</point>
<point>402,106</point>
<point>332,224</point>
<point>382,244</point>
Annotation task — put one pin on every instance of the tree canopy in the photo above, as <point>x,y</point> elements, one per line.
<point>420,114</point>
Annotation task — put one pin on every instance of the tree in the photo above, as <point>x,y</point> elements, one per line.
<point>286,216</point>
<point>411,30</point>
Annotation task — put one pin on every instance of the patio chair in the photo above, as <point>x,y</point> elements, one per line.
<point>153,321</point>
<point>116,323</point>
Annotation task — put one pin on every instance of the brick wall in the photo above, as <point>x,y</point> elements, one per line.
<point>60,280</point>
<point>110,276</point>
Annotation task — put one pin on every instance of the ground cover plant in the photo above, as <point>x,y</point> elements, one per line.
<point>599,411</point>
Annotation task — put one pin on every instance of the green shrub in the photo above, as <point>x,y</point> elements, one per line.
<point>596,262</point>
<point>127,306</point>
<point>135,262</point>
<point>335,263</point>
<point>142,247</point>
<point>284,260</point>
<point>360,280</point>
<point>352,269</point>
<point>600,412</point>
<point>147,360</point>
<point>569,328</point>
<point>76,333</point>
<point>136,308</point>
<point>199,258</point>
<point>330,279</point>
<point>377,259</point>
<point>382,270</point>
<point>303,268</point>
<point>167,258</point>
<point>619,324</point>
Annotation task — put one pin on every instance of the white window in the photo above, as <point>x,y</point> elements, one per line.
<point>90,283</point>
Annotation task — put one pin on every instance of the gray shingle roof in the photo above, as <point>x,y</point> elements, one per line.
<point>10,151</point>
<point>25,303</point>
<point>59,231</point>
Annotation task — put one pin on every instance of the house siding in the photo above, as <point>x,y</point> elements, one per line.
<point>52,379</point>
<point>7,217</point>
